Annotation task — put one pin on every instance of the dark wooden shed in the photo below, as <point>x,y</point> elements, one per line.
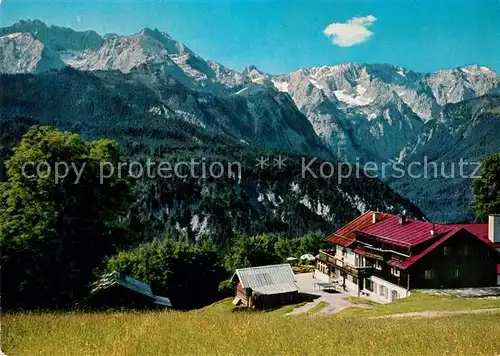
<point>265,286</point>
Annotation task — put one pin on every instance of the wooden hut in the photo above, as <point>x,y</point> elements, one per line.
<point>265,287</point>
<point>116,289</point>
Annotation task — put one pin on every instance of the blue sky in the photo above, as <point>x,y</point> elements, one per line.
<point>281,36</point>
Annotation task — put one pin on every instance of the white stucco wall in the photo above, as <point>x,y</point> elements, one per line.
<point>349,259</point>
<point>350,285</point>
<point>390,287</point>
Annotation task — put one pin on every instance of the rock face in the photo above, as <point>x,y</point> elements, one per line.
<point>151,121</point>
<point>357,112</point>
<point>172,78</point>
<point>57,38</point>
<point>373,111</point>
<point>21,53</point>
<point>454,85</point>
<point>453,145</point>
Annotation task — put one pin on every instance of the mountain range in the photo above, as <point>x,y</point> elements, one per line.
<point>355,112</point>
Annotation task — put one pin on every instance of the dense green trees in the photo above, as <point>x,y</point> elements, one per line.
<point>486,188</point>
<point>189,274</point>
<point>269,249</point>
<point>54,232</point>
<point>226,206</point>
<point>298,246</point>
<point>252,251</point>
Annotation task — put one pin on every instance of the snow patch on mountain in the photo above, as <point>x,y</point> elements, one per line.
<point>281,86</point>
<point>315,83</point>
<point>352,99</point>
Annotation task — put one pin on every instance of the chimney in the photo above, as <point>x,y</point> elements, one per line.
<point>494,228</point>
<point>375,217</point>
<point>433,230</point>
<point>402,219</point>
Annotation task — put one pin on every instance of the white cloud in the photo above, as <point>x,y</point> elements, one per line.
<point>353,32</point>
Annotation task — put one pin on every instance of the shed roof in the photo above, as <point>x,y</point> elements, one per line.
<point>116,278</point>
<point>273,279</point>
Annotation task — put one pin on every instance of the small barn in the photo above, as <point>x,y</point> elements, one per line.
<point>265,287</point>
<point>116,289</point>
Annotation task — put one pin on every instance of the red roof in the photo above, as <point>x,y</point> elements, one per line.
<point>456,228</point>
<point>412,233</point>
<point>346,235</point>
<point>339,240</point>
<point>394,262</point>
<point>411,260</point>
<point>359,251</point>
<point>480,230</point>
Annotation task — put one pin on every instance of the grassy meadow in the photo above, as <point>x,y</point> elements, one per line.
<point>217,330</point>
<point>421,302</point>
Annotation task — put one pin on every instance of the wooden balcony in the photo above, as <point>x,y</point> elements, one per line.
<point>339,263</point>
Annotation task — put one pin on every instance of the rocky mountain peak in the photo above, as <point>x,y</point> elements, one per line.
<point>253,72</point>
<point>23,53</point>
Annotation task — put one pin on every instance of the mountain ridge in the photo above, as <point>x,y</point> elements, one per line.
<point>357,112</point>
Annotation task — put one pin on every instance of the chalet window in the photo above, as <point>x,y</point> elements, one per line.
<point>395,271</point>
<point>446,250</point>
<point>355,280</point>
<point>378,264</point>
<point>466,250</point>
<point>456,273</point>
<point>357,261</point>
<point>344,253</point>
<point>383,291</point>
<point>428,274</point>
<point>368,262</point>
<point>368,285</point>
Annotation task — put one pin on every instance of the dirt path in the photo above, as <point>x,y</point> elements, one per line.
<point>336,303</point>
<point>432,314</point>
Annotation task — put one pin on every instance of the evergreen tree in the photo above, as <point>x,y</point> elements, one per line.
<point>486,188</point>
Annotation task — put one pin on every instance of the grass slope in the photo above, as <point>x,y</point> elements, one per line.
<point>216,330</point>
<point>419,302</point>
<point>226,305</point>
<point>194,333</point>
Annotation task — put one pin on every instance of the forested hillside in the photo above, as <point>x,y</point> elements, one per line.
<point>106,105</point>
<point>58,236</point>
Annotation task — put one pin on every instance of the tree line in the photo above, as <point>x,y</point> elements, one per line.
<point>58,238</point>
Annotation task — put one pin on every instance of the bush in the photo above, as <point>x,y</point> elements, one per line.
<point>252,251</point>
<point>188,274</point>
<point>226,288</point>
